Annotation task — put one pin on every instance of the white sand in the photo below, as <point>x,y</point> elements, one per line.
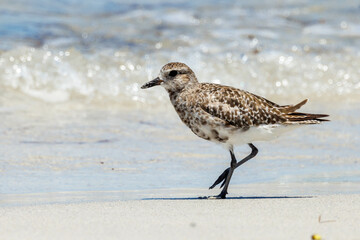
<point>333,217</point>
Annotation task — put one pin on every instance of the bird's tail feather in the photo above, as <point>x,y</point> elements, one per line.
<point>301,118</point>
<point>292,108</point>
<point>306,118</point>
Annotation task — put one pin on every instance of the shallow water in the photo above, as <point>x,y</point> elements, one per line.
<point>74,118</point>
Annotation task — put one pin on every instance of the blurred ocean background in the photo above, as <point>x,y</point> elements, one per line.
<point>74,119</point>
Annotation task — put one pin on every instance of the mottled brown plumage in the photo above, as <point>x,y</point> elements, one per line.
<point>227,115</point>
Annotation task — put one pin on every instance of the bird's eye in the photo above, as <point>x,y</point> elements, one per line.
<point>173,73</point>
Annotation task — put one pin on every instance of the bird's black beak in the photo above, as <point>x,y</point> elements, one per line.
<point>152,83</point>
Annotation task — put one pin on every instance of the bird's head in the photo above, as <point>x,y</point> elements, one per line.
<point>173,77</point>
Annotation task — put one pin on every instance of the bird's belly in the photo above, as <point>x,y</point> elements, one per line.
<point>258,133</point>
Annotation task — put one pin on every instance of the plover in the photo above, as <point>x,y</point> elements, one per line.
<point>227,115</point>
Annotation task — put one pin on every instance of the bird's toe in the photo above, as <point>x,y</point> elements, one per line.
<point>220,179</point>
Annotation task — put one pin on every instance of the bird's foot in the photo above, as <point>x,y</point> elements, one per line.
<point>222,195</point>
<point>221,178</point>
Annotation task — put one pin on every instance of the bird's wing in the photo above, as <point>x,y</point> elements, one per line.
<point>243,109</point>
<point>239,108</point>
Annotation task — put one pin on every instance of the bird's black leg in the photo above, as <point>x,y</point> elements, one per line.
<point>253,153</point>
<point>233,165</point>
<point>229,175</point>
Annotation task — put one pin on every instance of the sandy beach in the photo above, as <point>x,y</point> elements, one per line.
<point>85,153</point>
<point>271,217</point>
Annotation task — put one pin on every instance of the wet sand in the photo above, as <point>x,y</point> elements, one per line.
<point>83,147</point>
<point>269,217</point>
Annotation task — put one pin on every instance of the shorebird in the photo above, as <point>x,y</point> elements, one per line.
<point>227,115</point>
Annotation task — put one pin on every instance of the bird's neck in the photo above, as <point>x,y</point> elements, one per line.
<point>184,93</point>
<point>174,92</point>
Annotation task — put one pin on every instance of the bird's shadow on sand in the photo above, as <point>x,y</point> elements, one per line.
<point>230,198</point>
